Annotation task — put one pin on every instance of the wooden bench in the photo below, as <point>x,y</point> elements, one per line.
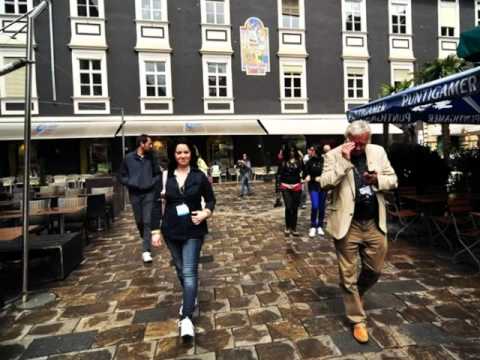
<point>65,250</point>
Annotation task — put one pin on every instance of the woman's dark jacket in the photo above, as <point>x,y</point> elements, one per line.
<point>181,227</point>
<point>314,168</point>
<point>290,173</point>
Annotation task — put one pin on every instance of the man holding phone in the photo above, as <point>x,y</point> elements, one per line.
<point>358,172</point>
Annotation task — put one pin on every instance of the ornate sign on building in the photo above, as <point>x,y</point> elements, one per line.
<point>255,49</point>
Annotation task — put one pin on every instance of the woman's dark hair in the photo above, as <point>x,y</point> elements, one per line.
<point>286,155</point>
<point>172,163</point>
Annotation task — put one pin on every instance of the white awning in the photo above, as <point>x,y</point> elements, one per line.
<point>334,126</point>
<point>59,130</point>
<point>106,127</point>
<point>194,127</point>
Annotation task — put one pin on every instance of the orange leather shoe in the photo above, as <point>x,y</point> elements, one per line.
<point>360,333</point>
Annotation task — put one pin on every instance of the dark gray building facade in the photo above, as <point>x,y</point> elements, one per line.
<point>185,67</point>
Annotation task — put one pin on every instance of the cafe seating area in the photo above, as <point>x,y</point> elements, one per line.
<point>65,212</point>
<point>450,221</point>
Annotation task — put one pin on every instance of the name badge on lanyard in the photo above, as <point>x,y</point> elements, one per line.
<point>366,191</point>
<point>183,210</point>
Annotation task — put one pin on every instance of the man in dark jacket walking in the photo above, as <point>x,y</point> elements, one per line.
<point>139,174</point>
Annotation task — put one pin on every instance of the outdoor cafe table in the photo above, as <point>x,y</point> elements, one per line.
<point>60,212</point>
<point>12,233</point>
<point>426,205</point>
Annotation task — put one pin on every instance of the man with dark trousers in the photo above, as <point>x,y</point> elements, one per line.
<point>139,174</point>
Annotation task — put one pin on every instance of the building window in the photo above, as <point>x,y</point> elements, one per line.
<point>401,75</point>
<point>292,84</point>
<point>155,79</point>
<point>355,83</point>
<point>447,31</point>
<point>217,79</point>
<point>152,10</point>
<point>15,6</point>
<point>353,15</point>
<point>290,14</point>
<point>14,81</point>
<point>215,11</point>
<point>399,18</point>
<point>90,77</point>
<point>477,12</point>
<point>87,8</point>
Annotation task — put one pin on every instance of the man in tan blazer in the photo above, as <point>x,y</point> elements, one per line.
<point>358,172</point>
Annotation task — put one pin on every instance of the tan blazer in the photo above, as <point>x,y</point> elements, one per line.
<point>337,175</point>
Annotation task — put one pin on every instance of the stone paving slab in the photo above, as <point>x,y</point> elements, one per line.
<point>60,344</point>
<point>262,296</point>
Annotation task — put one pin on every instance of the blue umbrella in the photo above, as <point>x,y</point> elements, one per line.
<point>454,99</point>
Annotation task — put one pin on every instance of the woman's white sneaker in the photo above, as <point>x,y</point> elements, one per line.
<point>312,232</point>
<point>187,330</point>
<point>147,257</point>
<point>320,231</point>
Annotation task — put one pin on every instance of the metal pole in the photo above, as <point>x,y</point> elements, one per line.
<point>26,163</point>
<point>123,156</point>
<point>52,51</point>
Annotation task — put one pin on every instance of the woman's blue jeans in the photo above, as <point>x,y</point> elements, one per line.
<point>317,213</point>
<point>185,255</point>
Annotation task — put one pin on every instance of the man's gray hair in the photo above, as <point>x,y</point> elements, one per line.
<point>358,127</point>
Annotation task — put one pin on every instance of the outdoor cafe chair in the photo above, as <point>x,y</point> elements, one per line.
<point>41,220</point>
<point>233,173</point>
<point>467,232</point>
<point>259,171</point>
<point>405,217</point>
<point>97,210</point>
<point>108,192</point>
<point>216,173</point>
<point>8,182</point>
<point>75,222</point>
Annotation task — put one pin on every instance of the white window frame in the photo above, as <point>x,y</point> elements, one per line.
<point>301,19</point>
<point>450,5</point>
<point>477,12</point>
<point>363,16</point>
<point>16,5</point>
<point>217,75</point>
<point>74,10</point>
<point>366,85</point>
<point>77,55</point>
<point>303,99</point>
<point>155,57</point>
<point>163,11</point>
<point>4,99</point>
<point>408,16</point>
<point>226,8</point>
<point>447,28</point>
<point>400,66</point>
<point>227,59</point>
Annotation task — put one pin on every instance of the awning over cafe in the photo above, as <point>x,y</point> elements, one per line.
<point>106,127</point>
<point>321,126</point>
<point>194,127</point>
<point>43,130</point>
<point>469,45</point>
<point>450,100</point>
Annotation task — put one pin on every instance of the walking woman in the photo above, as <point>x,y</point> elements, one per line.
<point>184,223</point>
<point>314,168</point>
<point>289,173</point>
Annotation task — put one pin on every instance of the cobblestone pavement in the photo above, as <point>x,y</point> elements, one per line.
<point>263,296</point>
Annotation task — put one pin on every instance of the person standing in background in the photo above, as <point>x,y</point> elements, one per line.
<point>245,169</point>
